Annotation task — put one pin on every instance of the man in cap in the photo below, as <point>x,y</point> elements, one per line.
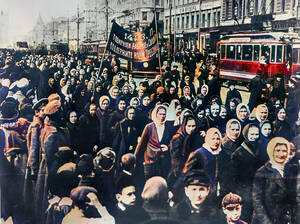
<point>33,137</point>
<point>195,207</point>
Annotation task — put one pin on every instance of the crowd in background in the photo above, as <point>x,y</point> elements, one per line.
<point>82,143</point>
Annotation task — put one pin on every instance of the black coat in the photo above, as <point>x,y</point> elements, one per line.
<point>293,103</point>
<point>105,131</point>
<point>183,212</point>
<point>256,86</point>
<point>283,129</point>
<point>89,133</point>
<point>269,197</point>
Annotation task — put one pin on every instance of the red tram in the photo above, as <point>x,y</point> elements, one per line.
<point>242,56</point>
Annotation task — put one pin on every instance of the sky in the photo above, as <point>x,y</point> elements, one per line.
<point>23,14</point>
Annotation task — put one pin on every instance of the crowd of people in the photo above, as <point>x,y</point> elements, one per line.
<point>83,143</point>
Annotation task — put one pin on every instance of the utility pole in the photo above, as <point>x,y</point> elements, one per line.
<point>68,32</point>
<point>106,20</point>
<point>174,41</point>
<point>53,32</point>
<point>170,33</point>
<point>78,21</point>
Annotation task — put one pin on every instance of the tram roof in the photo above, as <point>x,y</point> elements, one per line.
<point>271,36</point>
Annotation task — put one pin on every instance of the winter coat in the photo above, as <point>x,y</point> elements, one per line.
<point>75,136</point>
<point>270,199</point>
<point>105,132</point>
<point>293,104</point>
<point>283,129</point>
<point>256,86</point>
<point>89,132</point>
<point>230,95</point>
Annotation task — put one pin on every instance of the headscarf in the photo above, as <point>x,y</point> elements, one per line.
<point>209,134</point>
<point>111,89</point>
<point>270,149</point>
<point>171,113</point>
<point>228,127</point>
<point>204,86</point>
<point>102,99</point>
<point>154,112</point>
<point>240,106</point>
<point>266,122</point>
<point>133,99</point>
<point>259,108</point>
<point>252,144</point>
<point>184,112</point>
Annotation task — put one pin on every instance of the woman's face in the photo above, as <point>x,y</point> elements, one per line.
<point>243,113</point>
<point>104,105</point>
<point>204,91</point>
<point>134,103</point>
<point>281,115</point>
<point>115,93</point>
<point>186,91</point>
<point>125,90</point>
<point>280,154</point>
<point>234,131</point>
<point>146,101</point>
<point>140,93</point>
<point>215,142</point>
<point>253,134</point>
<point>266,130</point>
<point>73,117</point>
<point>201,114</point>
<point>161,115</point>
<point>122,105</point>
<point>190,126</point>
<point>131,113</point>
<point>215,110</point>
<point>263,114</point>
<point>223,113</point>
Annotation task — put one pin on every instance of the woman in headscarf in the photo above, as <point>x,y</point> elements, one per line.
<point>223,119</point>
<point>266,130</point>
<point>210,151</point>
<point>261,114</point>
<point>135,102</point>
<point>152,149</point>
<point>244,163</point>
<point>269,191</point>
<point>213,118</point>
<point>103,114</point>
<point>118,114</point>
<point>242,114</point>
<point>203,94</point>
<point>186,140</point>
<point>126,135</point>
<point>173,116</point>
<point>282,127</point>
<point>113,96</point>
<point>73,127</point>
<point>187,99</point>
<point>232,139</point>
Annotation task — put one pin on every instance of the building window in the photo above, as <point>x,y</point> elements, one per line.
<point>167,22</point>
<point>187,21</point>
<point>182,22</point>
<point>208,20</point>
<point>203,20</point>
<point>250,7</point>
<point>215,18</point>
<point>178,23</point>
<point>218,18</point>
<point>193,21</point>
<point>197,21</point>
<point>144,16</point>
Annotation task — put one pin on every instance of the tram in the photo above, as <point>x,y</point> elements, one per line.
<point>242,56</point>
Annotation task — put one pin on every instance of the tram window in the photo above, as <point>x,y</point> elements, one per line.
<point>238,52</point>
<point>222,51</point>
<point>256,53</point>
<point>273,53</point>
<point>295,55</point>
<point>247,52</point>
<point>265,52</point>
<point>230,52</point>
<point>279,53</point>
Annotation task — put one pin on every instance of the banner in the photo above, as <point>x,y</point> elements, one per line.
<point>138,46</point>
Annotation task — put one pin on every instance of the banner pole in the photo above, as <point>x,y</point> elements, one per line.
<point>101,63</point>
<point>157,36</point>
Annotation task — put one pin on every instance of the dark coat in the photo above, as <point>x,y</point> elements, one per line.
<point>283,129</point>
<point>135,212</point>
<point>184,212</point>
<point>232,94</point>
<point>256,86</point>
<point>75,136</point>
<point>105,136</point>
<point>243,166</point>
<point>125,138</point>
<point>269,197</point>
<point>293,103</point>
<point>185,102</point>
<point>214,88</point>
<point>89,132</point>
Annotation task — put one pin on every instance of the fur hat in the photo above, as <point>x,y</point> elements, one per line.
<point>9,108</point>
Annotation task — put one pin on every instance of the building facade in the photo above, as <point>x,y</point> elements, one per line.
<point>4,22</point>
